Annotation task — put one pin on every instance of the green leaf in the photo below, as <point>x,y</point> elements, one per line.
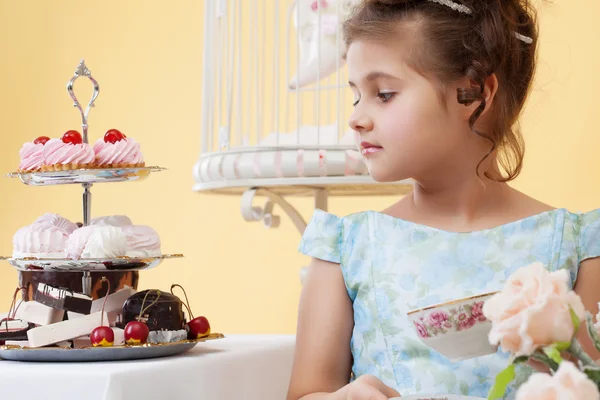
<point>562,346</point>
<point>593,373</point>
<point>553,353</point>
<point>502,380</point>
<point>521,359</point>
<point>575,319</point>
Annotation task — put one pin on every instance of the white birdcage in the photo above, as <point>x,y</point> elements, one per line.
<point>275,106</point>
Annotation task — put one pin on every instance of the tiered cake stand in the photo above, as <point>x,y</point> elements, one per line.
<point>87,178</point>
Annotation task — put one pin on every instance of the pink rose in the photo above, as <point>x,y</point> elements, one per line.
<point>533,310</point>
<point>438,318</point>
<point>477,310</point>
<point>465,322</point>
<point>567,383</point>
<point>421,330</point>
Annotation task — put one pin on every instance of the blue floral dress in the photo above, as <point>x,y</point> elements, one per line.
<point>391,266</point>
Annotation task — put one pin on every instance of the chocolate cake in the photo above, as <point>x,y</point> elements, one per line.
<point>165,314</point>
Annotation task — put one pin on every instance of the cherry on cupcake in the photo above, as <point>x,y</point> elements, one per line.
<point>72,137</point>
<point>113,136</point>
<point>41,140</point>
<point>103,336</point>
<point>136,332</point>
<point>198,327</point>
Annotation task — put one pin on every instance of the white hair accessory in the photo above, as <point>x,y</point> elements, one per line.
<point>466,10</point>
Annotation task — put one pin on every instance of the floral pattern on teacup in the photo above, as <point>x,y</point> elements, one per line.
<point>460,318</point>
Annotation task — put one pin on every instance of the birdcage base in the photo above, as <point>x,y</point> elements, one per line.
<point>305,187</point>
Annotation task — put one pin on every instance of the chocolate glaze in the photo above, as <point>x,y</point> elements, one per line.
<point>165,314</point>
<point>64,300</point>
<point>14,335</point>
<point>72,281</point>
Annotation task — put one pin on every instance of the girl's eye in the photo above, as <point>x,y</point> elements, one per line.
<point>385,96</point>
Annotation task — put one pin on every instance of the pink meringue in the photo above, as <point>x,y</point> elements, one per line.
<point>121,154</point>
<point>142,241</point>
<point>40,241</point>
<point>97,242</point>
<point>60,156</point>
<point>32,157</point>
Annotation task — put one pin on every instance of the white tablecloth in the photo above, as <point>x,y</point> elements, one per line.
<point>235,368</point>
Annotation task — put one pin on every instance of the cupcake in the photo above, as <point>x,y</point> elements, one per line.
<point>68,153</point>
<point>32,155</point>
<point>116,150</point>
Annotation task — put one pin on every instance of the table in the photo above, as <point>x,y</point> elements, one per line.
<point>239,367</point>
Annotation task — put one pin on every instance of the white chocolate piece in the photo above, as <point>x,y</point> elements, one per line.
<point>20,343</point>
<point>65,330</point>
<point>119,336</point>
<point>113,317</point>
<point>114,302</point>
<point>38,313</point>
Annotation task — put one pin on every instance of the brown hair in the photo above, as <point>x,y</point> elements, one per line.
<point>461,45</point>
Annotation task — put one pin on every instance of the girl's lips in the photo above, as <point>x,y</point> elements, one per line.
<point>369,148</point>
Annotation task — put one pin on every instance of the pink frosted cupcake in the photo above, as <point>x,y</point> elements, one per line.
<point>32,155</point>
<point>115,150</point>
<point>68,153</point>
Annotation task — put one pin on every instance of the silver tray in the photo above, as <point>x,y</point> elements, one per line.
<point>88,264</point>
<point>80,176</point>
<point>114,353</point>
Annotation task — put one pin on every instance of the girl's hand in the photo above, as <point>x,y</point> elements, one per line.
<point>366,387</point>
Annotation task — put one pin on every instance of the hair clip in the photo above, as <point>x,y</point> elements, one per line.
<point>466,10</point>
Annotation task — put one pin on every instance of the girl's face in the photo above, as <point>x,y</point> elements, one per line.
<point>408,125</point>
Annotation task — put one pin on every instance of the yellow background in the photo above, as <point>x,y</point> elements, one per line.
<point>147,56</point>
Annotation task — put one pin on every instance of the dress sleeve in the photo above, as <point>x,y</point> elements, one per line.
<point>322,238</point>
<point>589,235</point>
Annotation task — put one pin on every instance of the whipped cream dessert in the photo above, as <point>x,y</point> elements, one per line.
<point>57,221</point>
<point>60,155</point>
<point>142,241</point>
<point>112,220</point>
<point>39,241</point>
<point>96,241</point>
<point>45,238</point>
<point>115,150</point>
<point>53,236</point>
<point>32,155</point>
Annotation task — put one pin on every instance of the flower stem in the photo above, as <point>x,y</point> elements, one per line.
<point>580,354</point>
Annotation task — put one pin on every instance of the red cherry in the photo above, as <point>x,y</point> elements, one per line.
<point>41,140</point>
<point>102,336</point>
<point>113,136</point>
<point>136,332</point>
<point>72,137</point>
<point>199,327</point>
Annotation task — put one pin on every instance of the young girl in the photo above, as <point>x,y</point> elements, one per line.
<point>438,87</point>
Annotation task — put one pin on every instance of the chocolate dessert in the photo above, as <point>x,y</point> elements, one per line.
<point>14,329</point>
<point>62,299</point>
<point>165,314</point>
<point>72,281</point>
